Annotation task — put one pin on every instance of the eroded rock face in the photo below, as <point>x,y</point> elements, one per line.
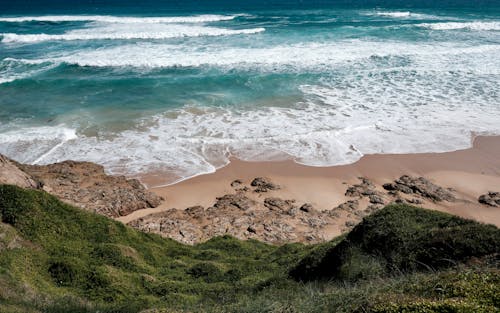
<point>10,174</point>
<point>420,186</point>
<point>85,185</point>
<point>491,198</point>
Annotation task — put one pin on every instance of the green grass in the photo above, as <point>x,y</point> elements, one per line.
<point>57,258</point>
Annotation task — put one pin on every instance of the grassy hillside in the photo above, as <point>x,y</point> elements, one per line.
<point>57,258</point>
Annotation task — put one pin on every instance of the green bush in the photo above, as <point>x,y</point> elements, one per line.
<point>67,271</point>
<point>207,271</point>
<point>402,239</point>
<point>111,254</point>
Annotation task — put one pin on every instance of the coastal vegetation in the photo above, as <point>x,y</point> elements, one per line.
<point>57,258</point>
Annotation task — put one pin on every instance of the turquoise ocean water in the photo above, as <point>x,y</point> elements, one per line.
<point>180,88</point>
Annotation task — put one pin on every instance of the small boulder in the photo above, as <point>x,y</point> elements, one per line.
<point>420,186</point>
<point>279,204</point>
<point>236,183</point>
<point>306,207</point>
<point>350,205</point>
<point>376,199</point>
<point>365,188</point>
<point>263,184</point>
<point>491,199</point>
<point>195,211</point>
<point>231,201</point>
<point>251,229</point>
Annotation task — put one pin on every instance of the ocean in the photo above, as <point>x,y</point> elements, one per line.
<point>180,87</point>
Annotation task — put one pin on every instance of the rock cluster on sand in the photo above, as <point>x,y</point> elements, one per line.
<point>243,215</point>
<point>263,184</point>
<point>420,186</point>
<point>82,184</point>
<point>491,198</point>
<point>248,214</point>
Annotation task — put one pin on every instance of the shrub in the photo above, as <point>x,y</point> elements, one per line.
<point>207,271</point>
<point>402,238</point>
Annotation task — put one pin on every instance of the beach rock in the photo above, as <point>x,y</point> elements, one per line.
<point>491,199</point>
<point>272,220</point>
<point>236,183</point>
<point>333,213</point>
<point>395,188</point>
<point>277,231</point>
<point>12,175</point>
<point>251,229</point>
<point>86,185</point>
<point>306,207</point>
<point>366,188</point>
<point>414,201</point>
<point>376,199</point>
<point>196,211</point>
<point>263,184</point>
<point>314,222</point>
<point>420,186</point>
<point>286,206</point>
<point>238,200</point>
<point>350,205</point>
<point>242,189</point>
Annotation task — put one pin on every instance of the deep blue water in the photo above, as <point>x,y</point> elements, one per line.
<point>180,86</point>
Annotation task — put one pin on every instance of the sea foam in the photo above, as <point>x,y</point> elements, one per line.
<point>280,58</point>
<point>121,19</point>
<point>344,97</point>
<point>494,26</point>
<point>401,15</point>
<point>367,109</point>
<point>173,31</point>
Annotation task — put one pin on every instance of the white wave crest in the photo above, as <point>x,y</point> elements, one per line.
<point>40,141</point>
<point>173,31</point>
<point>12,70</point>
<point>394,14</point>
<point>286,58</point>
<point>121,19</point>
<point>400,15</point>
<point>463,25</point>
<point>372,106</point>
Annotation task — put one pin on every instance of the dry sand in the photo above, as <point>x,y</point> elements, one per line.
<point>470,172</point>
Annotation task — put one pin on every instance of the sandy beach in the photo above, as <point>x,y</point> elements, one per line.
<point>470,173</point>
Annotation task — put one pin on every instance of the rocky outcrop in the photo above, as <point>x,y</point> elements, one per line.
<point>263,184</point>
<point>243,214</point>
<point>10,174</point>
<point>365,188</point>
<point>85,185</point>
<point>284,206</point>
<point>238,201</point>
<point>491,198</point>
<point>419,186</point>
<point>351,205</point>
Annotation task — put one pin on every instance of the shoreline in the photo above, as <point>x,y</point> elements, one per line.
<point>469,172</point>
